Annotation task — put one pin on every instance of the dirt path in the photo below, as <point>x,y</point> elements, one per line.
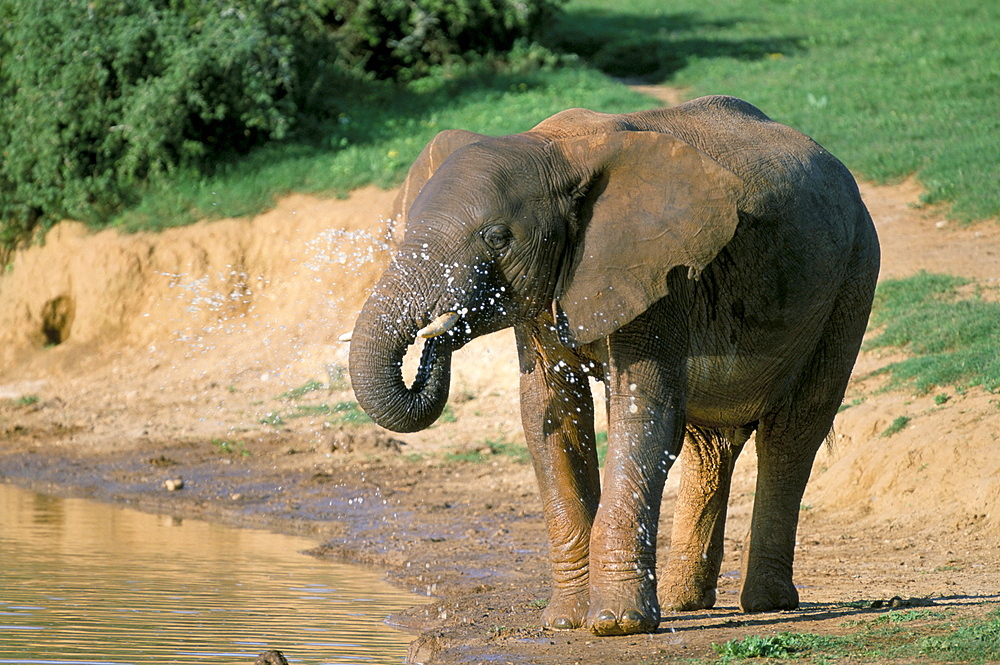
<point>179,355</point>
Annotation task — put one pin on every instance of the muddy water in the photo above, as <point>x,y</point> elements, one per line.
<point>83,582</point>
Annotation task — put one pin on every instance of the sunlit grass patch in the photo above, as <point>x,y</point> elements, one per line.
<point>231,447</point>
<point>894,92</point>
<point>304,389</point>
<point>897,425</point>
<point>974,642</point>
<point>488,449</point>
<point>348,413</point>
<point>377,135</point>
<point>894,637</point>
<point>782,645</point>
<point>952,340</point>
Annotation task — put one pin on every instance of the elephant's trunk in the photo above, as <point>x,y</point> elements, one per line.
<point>382,334</point>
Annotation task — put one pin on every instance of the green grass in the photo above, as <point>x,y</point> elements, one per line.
<point>782,645</point>
<point>448,415</point>
<point>272,418</point>
<point>307,410</point>
<point>857,401</point>
<point>601,439</point>
<point>306,388</point>
<point>517,452</point>
<point>976,642</point>
<point>340,413</point>
<point>896,426</point>
<point>894,89</point>
<point>951,339</point>
<point>898,636</point>
<point>348,413</point>
<point>231,447</point>
<point>906,616</point>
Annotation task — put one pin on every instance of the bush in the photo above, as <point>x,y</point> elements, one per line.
<point>101,96</point>
<point>405,38</point>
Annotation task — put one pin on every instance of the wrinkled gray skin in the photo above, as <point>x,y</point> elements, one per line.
<point>714,269</point>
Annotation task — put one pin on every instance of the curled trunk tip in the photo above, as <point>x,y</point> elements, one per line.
<point>376,360</point>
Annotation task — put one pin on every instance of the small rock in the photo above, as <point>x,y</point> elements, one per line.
<point>940,225</point>
<point>897,601</point>
<point>272,657</point>
<point>174,484</point>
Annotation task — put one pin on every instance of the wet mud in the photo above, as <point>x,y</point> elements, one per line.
<point>470,537</point>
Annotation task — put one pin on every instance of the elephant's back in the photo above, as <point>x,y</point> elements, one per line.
<point>772,159</point>
<point>734,132</point>
<point>791,183</point>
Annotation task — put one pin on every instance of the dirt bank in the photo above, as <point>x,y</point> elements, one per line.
<point>209,353</point>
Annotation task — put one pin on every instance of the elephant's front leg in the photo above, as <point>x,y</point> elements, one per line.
<point>646,430</point>
<point>557,411</point>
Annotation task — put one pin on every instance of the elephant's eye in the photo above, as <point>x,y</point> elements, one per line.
<point>497,237</point>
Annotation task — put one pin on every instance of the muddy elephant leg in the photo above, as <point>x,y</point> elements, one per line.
<point>557,412</point>
<point>645,432</point>
<point>696,541</point>
<point>787,442</point>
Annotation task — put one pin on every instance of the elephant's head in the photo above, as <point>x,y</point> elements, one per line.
<point>580,217</point>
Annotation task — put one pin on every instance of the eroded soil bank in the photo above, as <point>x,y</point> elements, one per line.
<point>209,354</point>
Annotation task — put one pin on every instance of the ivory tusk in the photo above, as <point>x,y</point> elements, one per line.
<point>439,326</point>
<point>346,337</point>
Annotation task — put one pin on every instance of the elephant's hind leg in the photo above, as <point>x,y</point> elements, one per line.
<point>696,542</point>
<point>784,460</point>
<point>787,442</point>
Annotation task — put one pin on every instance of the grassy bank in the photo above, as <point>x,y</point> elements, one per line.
<point>949,327</point>
<point>896,88</point>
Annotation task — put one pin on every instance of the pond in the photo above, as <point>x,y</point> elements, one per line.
<point>84,583</point>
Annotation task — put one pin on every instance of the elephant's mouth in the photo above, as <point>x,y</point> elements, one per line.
<point>429,357</point>
<point>434,334</point>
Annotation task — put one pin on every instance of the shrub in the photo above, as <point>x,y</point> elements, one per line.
<point>100,95</point>
<point>405,38</point>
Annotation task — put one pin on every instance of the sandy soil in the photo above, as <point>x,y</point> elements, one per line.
<point>130,361</point>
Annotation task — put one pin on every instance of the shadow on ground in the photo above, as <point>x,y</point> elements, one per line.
<point>652,49</point>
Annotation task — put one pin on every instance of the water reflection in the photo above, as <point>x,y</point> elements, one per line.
<point>83,582</point>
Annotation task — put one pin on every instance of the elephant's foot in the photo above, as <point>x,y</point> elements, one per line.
<point>624,610</point>
<point>766,596</point>
<point>688,596</point>
<point>567,609</point>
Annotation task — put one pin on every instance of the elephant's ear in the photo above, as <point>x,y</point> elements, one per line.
<point>651,202</point>
<point>429,160</point>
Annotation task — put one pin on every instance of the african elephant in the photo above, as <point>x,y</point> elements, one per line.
<point>713,268</point>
